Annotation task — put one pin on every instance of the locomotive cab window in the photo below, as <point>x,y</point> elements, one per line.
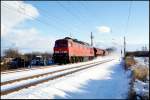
<point>61,43</point>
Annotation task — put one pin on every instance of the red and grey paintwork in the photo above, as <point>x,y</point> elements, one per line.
<point>70,50</point>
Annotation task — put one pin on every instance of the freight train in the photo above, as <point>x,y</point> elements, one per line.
<point>68,50</point>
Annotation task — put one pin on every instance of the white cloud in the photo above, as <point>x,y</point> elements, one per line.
<point>13,13</point>
<point>23,38</point>
<point>103,29</point>
<point>31,39</point>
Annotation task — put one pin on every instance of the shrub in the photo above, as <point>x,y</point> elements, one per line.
<point>140,72</point>
<point>4,66</point>
<point>129,61</point>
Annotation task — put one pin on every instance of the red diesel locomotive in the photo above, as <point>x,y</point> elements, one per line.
<point>70,50</point>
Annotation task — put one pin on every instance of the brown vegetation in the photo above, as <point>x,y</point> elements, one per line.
<point>4,66</point>
<point>129,61</point>
<point>22,59</point>
<point>140,72</point>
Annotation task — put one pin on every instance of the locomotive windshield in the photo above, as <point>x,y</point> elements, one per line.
<point>61,43</point>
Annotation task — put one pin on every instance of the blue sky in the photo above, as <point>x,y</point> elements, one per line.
<point>79,18</point>
<point>84,16</point>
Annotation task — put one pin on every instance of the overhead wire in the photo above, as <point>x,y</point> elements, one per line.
<point>75,16</point>
<point>129,14</point>
<point>57,19</point>
<point>79,16</point>
<point>37,20</point>
<point>87,9</point>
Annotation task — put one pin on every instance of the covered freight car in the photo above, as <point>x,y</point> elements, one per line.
<point>98,52</point>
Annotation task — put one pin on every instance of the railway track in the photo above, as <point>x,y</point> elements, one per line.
<point>26,69</point>
<point>7,87</point>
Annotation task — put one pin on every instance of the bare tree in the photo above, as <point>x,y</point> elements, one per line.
<point>111,49</point>
<point>12,53</point>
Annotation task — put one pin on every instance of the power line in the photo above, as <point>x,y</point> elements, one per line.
<point>129,14</point>
<point>130,5</point>
<point>56,18</point>
<point>5,5</point>
<point>76,17</point>
<point>86,9</point>
<point>79,15</point>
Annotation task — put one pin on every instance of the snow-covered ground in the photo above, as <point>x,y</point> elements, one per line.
<point>107,80</point>
<point>142,61</point>
<point>22,74</point>
<point>142,88</point>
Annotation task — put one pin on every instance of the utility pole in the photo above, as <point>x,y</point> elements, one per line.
<point>91,39</point>
<point>124,46</point>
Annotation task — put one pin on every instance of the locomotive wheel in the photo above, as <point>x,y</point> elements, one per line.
<point>74,59</point>
<point>64,61</point>
<point>71,59</point>
<point>77,59</point>
<point>80,59</point>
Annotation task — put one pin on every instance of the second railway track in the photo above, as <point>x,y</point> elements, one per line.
<point>40,78</point>
<point>27,69</point>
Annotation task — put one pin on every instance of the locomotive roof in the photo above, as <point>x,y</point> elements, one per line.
<point>75,40</point>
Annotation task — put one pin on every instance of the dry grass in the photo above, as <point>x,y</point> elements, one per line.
<point>129,61</point>
<point>3,67</point>
<point>140,72</point>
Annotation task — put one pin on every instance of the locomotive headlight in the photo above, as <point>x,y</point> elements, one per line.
<point>56,51</point>
<point>60,51</point>
<point>65,51</point>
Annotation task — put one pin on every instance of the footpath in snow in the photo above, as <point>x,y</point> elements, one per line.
<point>105,81</point>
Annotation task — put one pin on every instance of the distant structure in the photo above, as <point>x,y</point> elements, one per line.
<point>92,39</point>
<point>138,53</point>
<point>124,46</point>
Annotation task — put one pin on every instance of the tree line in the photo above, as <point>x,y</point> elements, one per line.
<point>23,60</point>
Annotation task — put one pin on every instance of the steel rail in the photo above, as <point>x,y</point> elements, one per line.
<point>7,91</point>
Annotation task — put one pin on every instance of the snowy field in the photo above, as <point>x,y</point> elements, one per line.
<point>142,60</point>
<point>142,88</point>
<point>105,81</point>
<point>22,74</point>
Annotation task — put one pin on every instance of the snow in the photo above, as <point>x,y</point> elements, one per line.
<point>22,74</point>
<point>142,61</point>
<point>105,81</point>
<point>24,82</point>
<point>141,88</point>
